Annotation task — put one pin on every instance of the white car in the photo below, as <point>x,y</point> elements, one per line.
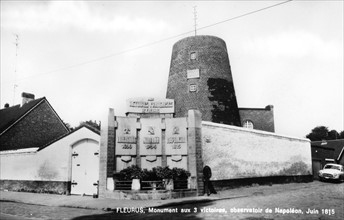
<point>332,171</point>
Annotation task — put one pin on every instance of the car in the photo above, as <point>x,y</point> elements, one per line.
<point>332,171</point>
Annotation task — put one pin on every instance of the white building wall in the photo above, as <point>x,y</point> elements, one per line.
<point>52,163</point>
<point>235,152</point>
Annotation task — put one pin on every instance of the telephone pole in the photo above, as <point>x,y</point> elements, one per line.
<point>195,18</point>
<point>15,67</point>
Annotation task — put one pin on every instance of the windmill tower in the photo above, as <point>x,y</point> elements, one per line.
<point>200,78</point>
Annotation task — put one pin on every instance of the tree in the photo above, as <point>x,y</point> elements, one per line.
<point>91,123</point>
<point>333,135</point>
<point>322,133</point>
<point>318,133</point>
<point>341,135</point>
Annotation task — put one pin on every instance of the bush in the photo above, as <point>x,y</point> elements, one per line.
<point>150,175</point>
<point>132,172</point>
<point>180,174</point>
<point>164,172</point>
<point>156,174</point>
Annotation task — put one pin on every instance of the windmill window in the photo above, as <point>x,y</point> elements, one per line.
<point>193,88</point>
<point>193,55</point>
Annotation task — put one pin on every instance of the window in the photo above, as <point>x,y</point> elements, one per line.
<point>248,124</point>
<point>193,55</point>
<point>192,88</point>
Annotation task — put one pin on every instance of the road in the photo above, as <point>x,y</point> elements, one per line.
<point>20,211</point>
<point>316,200</point>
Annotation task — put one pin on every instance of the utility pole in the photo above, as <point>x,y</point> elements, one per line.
<point>15,68</point>
<point>195,19</point>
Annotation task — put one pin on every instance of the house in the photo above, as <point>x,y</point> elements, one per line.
<point>38,153</point>
<point>258,118</point>
<point>326,151</point>
<point>32,124</point>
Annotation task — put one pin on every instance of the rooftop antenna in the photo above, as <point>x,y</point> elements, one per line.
<point>195,18</point>
<point>15,67</point>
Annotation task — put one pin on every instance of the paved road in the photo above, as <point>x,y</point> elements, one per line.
<point>20,211</point>
<point>12,217</point>
<point>325,200</point>
<point>317,200</point>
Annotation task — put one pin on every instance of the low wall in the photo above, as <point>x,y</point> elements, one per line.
<point>235,153</point>
<point>49,164</point>
<point>43,171</point>
<point>55,187</point>
<point>268,180</point>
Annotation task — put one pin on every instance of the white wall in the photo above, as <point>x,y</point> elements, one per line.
<point>52,163</point>
<point>235,152</point>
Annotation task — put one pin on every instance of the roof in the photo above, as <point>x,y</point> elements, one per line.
<point>10,115</point>
<point>267,108</point>
<point>94,130</point>
<point>337,145</point>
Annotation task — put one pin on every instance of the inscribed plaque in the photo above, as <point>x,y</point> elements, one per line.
<point>150,136</point>
<point>150,105</point>
<point>192,73</point>
<point>126,136</point>
<point>176,136</point>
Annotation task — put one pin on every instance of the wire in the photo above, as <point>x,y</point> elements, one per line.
<point>243,15</point>
<point>152,43</point>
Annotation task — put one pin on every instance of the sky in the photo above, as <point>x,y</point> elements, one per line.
<point>88,56</point>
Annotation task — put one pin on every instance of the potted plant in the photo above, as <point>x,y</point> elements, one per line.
<point>133,173</point>
<point>180,178</point>
<point>165,173</point>
<point>180,174</point>
<point>151,177</point>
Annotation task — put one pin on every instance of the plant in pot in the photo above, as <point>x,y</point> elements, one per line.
<point>180,177</point>
<point>151,175</point>
<point>165,173</point>
<point>133,173</point>
<point>180,174</point>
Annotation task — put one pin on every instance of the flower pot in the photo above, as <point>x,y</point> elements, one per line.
<point>135,184</point>
<point>168,183</point>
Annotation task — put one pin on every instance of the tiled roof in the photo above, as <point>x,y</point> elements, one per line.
<point>33,124</point>
<point>8,116</point>
<point>337,145</point>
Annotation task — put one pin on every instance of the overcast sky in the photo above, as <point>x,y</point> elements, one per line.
<point>88,56</point>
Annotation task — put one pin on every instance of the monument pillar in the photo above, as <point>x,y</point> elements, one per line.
<point>107,154</point>
<point>195,162</point>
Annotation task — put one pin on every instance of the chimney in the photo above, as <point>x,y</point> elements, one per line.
<point>269,107</point>
<point>27,97</point>
<point>7,105</point>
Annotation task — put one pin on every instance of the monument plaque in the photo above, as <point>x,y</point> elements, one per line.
<point>150,105</point>
<point>150,136</point>
<point>176,136</point>
<point>191,74</point>
<point>126,136</point>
